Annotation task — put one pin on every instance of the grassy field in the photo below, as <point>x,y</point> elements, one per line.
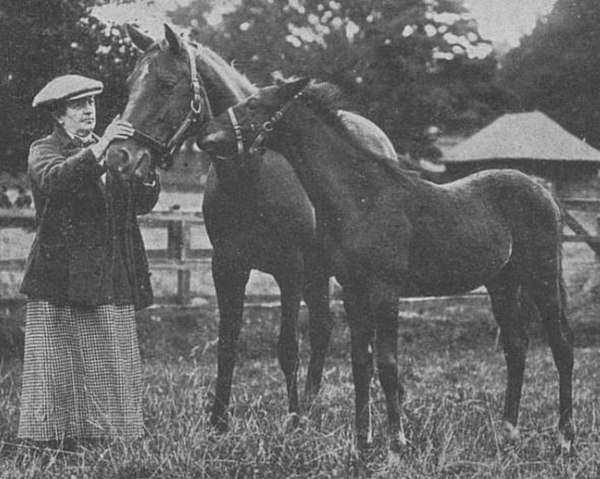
<point>454,376</point>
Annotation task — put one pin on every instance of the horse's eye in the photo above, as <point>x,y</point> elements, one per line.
<point>252,103</point>
<point>167,85</point>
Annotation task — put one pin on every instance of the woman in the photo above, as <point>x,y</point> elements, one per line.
<point>86,275</point>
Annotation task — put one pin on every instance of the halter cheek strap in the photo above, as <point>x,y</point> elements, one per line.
<point>239,137</point>
<point>237,129</point>
<point>269,125</point>
<point>263,131</point>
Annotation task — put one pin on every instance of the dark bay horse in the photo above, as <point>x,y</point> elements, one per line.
<point>269,226</point>
<point>395,234</point>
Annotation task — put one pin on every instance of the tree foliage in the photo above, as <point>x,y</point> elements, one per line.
<point>406,64</point>
<point>556,69</point>
<point>42,39</point>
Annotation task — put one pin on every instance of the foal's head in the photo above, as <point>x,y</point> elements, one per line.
<point>243,127</point>
<point>166,100</point>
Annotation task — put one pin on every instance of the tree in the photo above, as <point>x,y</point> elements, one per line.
<point>39,40</point>
<point>405,64</point>
<point>555,69</point>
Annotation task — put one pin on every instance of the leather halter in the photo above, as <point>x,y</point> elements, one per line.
<point>167,148</point>
<point>262,132</point>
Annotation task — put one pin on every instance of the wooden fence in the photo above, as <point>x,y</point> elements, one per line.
<point>179,255</point>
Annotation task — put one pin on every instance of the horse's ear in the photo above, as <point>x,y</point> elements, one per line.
<point>301,83</point>
<point>291,88</point>
<point>175,42</point>
<point>139,39</point>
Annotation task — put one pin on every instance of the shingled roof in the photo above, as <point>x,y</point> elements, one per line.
<point>522,136</point>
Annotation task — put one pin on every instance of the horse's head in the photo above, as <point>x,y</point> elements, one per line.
<point>244,127</point>
<point>166,100</point>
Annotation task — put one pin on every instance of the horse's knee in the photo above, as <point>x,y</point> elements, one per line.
<point>515,342</point>
<point>287,352</point>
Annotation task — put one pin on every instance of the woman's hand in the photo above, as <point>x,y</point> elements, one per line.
<point>117,130</point>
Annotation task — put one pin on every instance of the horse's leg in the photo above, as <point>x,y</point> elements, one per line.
<point>356,304</point>
<point>320,324</point>
<point>549,297</point>
<point>230,284</point>
<point>289,279</point>
<point>384,308</point>
<point>505,295</point>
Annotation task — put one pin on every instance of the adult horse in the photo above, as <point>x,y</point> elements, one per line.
<point>395,234</point>
<point>270,226</point>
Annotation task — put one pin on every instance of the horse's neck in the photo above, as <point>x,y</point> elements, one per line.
<point>334,172</point>
<point>224,85</point>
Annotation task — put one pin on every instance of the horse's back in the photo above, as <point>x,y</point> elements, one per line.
<point>517,200</point>
<point>509,190</point>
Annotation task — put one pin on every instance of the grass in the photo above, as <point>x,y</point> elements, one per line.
<point>454,377</point>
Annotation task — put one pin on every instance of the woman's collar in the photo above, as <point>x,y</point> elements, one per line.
<point>79,140</point>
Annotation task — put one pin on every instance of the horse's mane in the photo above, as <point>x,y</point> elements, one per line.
<point>325,100</point>
<point>215,69</point>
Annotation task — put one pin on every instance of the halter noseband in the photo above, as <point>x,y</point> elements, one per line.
<point>166,149</point>
<point>263,131</point>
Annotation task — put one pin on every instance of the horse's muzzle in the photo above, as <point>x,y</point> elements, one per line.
<point>214,143</point>
<point>124,163</point>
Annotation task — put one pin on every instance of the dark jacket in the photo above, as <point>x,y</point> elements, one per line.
<point>88,249</point>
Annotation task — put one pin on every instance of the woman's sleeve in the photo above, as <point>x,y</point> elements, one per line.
<point>145,195</point>
<point>54,173</point>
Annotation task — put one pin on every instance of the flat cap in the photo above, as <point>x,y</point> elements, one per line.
<point>67,87</point>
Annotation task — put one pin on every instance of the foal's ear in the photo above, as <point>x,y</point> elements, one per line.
<point>291,88</point>
<point>139,39</point>
<point>175,42</point>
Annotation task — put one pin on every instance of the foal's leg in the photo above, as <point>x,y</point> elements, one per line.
<point>505,295</point>
<point>230,284</point>
<point>356,304</point>
<point>289,279</point>
<point>316,295</point>
<point>549,298</point>
<point>384,305</point>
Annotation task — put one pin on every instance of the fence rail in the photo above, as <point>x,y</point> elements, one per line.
<point>179,255</point>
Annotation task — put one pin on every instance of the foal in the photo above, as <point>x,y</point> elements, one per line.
<point>393,234</point>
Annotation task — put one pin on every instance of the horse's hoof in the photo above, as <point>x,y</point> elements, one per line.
<point>566,444</point>
<point>219,424</point>
<point>510,433</point>
<point>364,444</point>
<point>398,442</point>
<point>292,422</point>
<point>394,459</point>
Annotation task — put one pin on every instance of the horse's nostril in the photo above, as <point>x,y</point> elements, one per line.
<point>123,155</point>
<point>142,168</point>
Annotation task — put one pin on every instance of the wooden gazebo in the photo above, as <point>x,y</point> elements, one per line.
<point>534,144</point>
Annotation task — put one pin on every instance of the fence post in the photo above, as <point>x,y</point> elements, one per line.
<point>597,235</point>
<point>178,241</point>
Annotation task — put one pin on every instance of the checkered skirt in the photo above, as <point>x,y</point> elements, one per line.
<point>81,373</point>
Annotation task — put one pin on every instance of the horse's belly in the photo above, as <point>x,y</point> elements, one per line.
<point>458,266</point>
